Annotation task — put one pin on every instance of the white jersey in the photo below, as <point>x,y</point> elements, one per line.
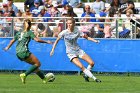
<point>70,39</point>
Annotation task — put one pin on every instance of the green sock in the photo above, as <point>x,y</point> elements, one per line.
<point>31,69</point>
<point>40,74</point>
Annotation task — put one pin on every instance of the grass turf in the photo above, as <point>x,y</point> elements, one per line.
<point>10,83</point>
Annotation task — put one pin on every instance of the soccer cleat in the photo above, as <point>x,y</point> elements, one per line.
<point>98,80</point>
<point>45,80</point>
<point>23,77</point>
<point>86,78</point>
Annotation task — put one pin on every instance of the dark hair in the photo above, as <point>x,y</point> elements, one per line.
<point>29,23</point>
<point>111,12</point>
<point>41,26</point>
<point>118,4</point>
<point>71,13</point>
<point>1,12</point>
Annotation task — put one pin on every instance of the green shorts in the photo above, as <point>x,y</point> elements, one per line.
<point>23,55</point>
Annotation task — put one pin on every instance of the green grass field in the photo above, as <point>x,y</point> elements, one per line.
<point>10,83</point>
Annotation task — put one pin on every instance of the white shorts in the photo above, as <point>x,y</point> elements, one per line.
<point>78,54</point>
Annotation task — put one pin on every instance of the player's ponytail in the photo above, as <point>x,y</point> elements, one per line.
<point>29,24</point>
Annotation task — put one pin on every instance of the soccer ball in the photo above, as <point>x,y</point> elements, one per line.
<point>50,77</point>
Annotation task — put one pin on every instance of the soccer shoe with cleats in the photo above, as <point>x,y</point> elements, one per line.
<point>86,78</point>
<point>98,80</point>
<point>23,77</point>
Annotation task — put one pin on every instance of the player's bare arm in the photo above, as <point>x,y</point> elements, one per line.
<point>55,43</point>
<point>42,41</point>
<point>91,39</point>
<point>10,44</point>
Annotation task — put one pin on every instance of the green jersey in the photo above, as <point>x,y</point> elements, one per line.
<point>23,40</point>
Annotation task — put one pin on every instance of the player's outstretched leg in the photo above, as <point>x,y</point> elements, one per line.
<point>42,76</point>
<point>29,71</point>
<point>90,75</point>
<point>86,78</point>
<point>89,67</point>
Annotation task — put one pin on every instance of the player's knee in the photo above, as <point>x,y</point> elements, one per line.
<point>82,68</point>
<point>38,64</point>
<point>92,64</point>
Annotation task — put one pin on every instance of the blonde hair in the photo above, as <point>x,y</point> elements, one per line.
<point>72,19</point>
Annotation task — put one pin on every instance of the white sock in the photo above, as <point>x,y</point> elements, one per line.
<point>89,74</point>
<point>89,67</point>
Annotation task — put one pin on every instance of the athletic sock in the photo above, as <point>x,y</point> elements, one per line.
<point>40,74</point>
<point>89,67</point>
<point>31,69</point>
<point>89,74</point>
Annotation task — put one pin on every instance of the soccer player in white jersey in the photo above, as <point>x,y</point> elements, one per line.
<point>74,52</point>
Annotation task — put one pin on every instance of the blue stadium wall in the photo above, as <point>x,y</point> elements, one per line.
<point>110,55</point>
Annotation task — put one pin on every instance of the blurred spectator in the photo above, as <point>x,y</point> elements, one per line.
<point>3,20</point>
<point>42,11</point>
<point>108,28</point>
<point>76,3</point>
<point>64,9</point>
<point>108,1</point>
<point>87,28</point>
<point>126,25</point>
<point>27,14</point>
<point>47,19</point>
<point>54,12</point>
<point>129,14</point>
<point>18,26</point>
<point>61,26</point>
<point>138,28</point>
<point>42,29</point>
<point>34,10</point>
<point>12,6</point>
<point>71,13</point>
<point>58,2</point>
<point>62,3</point>
<point>5,9</point>
<point>4,1</point>
<point>7,13</point>
<point>48,3</point>
<point>128,4</point>
<point>30,4</point>
<point>88,12</point>
<point>12,12</point>
<point>2,32</point>
<point>100,26</point>
<point>97,6</point>
<point>114,4</point>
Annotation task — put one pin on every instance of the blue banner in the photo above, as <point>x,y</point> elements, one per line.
<point>109,55</point>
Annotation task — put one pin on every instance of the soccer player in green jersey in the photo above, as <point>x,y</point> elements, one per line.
<point>23,53</point>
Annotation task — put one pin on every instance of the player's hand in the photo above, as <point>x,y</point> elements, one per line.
<point>97,41</point>
<point>49,42</point>
<point>51,53</point>
<point>6,48</point>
